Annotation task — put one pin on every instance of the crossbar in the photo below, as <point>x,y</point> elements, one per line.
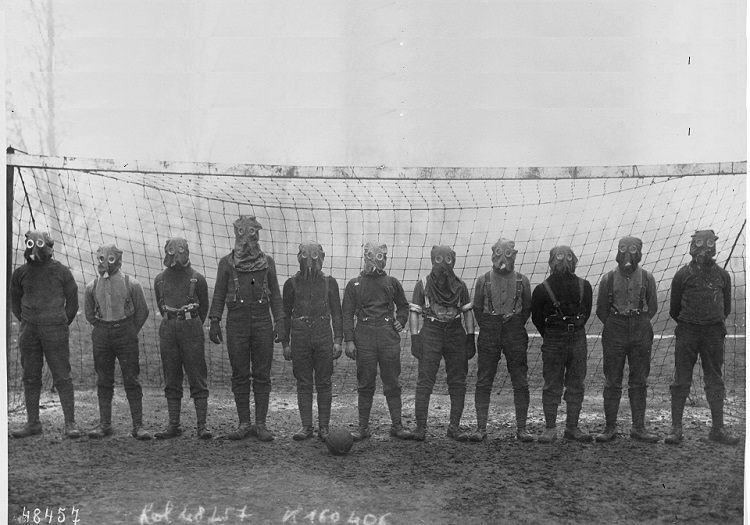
<point>22,160</point>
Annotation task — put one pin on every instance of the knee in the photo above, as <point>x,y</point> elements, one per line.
<point>366,392</point>
<point>679,391</point>
<point>551,398</point>
<point>611,392</point>
<point>392,391</point>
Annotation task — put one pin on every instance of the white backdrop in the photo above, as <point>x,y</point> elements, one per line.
<point>408,83</point>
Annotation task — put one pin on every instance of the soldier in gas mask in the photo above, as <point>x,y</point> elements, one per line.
<point>246,282</point>
<point>182,297</point>
<point>313,322</point>
<point>443,302</point>
<point>44,298</point>
<point>502,305</point>
<point>700,302</point>
<point>560,307</point>
<point>626,304</point>
<point>116,307</point>
<point>371,299</point>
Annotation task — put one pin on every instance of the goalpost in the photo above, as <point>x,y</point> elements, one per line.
<point>138,205</point>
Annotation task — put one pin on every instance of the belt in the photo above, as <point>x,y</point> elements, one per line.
<point>311,319</point>
<point>375,320</point>
<point>114,324</point>
<point>629,313</point>
<point>565,327</point>
<point>438,321</point>
<point>180,316</point>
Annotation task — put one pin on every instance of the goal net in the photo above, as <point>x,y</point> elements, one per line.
<point>84,203</point>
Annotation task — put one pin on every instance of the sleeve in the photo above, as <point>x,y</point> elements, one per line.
<point>277,306</point>
<point>402,305</point>
<point>588,300</point>
<point>220,290</point>
<point>70,289</point>
<point>538,298</point>
<point>602,300</point>
<point>347,311</point>
<point>16,292</point>
<point>727,288</point>
<point>334,303</point>
<point>479,300</point>
<point>417,298</point>
<point>288,303</point>
<point>157,292</point>
<point>465,298</point>
<point>202,291</point>
<point>526,299</point>
<point>651,298</point>
<point>89,303</point>
<point>140,313</point>
<point>675,299</point>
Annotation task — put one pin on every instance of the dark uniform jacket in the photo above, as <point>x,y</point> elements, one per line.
<point>701,295</point>
<point>567,290</point>
<point>256,288</point>
<point>378,294</point>
<point>173,286</point>
<point>44,293</point>
<point>304,297</point>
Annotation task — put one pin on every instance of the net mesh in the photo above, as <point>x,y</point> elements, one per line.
<point>138,212</point>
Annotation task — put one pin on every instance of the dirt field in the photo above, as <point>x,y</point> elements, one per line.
<point>123,481</point>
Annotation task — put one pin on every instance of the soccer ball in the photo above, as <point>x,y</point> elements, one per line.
<point>339,441</point>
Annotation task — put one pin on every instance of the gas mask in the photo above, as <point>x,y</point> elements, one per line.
<point>310,258</point>
<point>246,233</point>
<point>504,255</point>
<point>703,246</point>
<point>176,253</point>
<point>247,255</point>
<point>443,260</point>
<point>629,253</point>
<point>562,260</point>
<point>109,259</point>
<point>375,256</point>
<point>38,247</point>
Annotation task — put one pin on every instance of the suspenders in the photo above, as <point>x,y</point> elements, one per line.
<point>359,292</point>
<point>611,293</point>
<point>572,321</point>
<point>488,294</point>
<point>326,305</point>
<point>192,304</point>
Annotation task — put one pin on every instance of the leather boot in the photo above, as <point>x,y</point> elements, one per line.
<point>611,408</point>
<point>201,413</point>
<point>304,403</point>
<point>675,434</point>
<point>33,426</point>
<point>67,402</point>
<point>718,433</point>
<point>482,405</point>
<point>455,433</point>
<point>261,411</point>
<point>104,428</point>
<point>325,399</point>
<point>242,402</point>
<point>397,429</point>
<point>550,418</point>
<point>173,429</point>
<point>136,413</point>
<point>364,405</point>
<point>638,411</point>
<point>521,402</point>
<point>571,425</point>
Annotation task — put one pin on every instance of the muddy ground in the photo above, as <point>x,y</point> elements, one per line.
<point>123,481</point>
